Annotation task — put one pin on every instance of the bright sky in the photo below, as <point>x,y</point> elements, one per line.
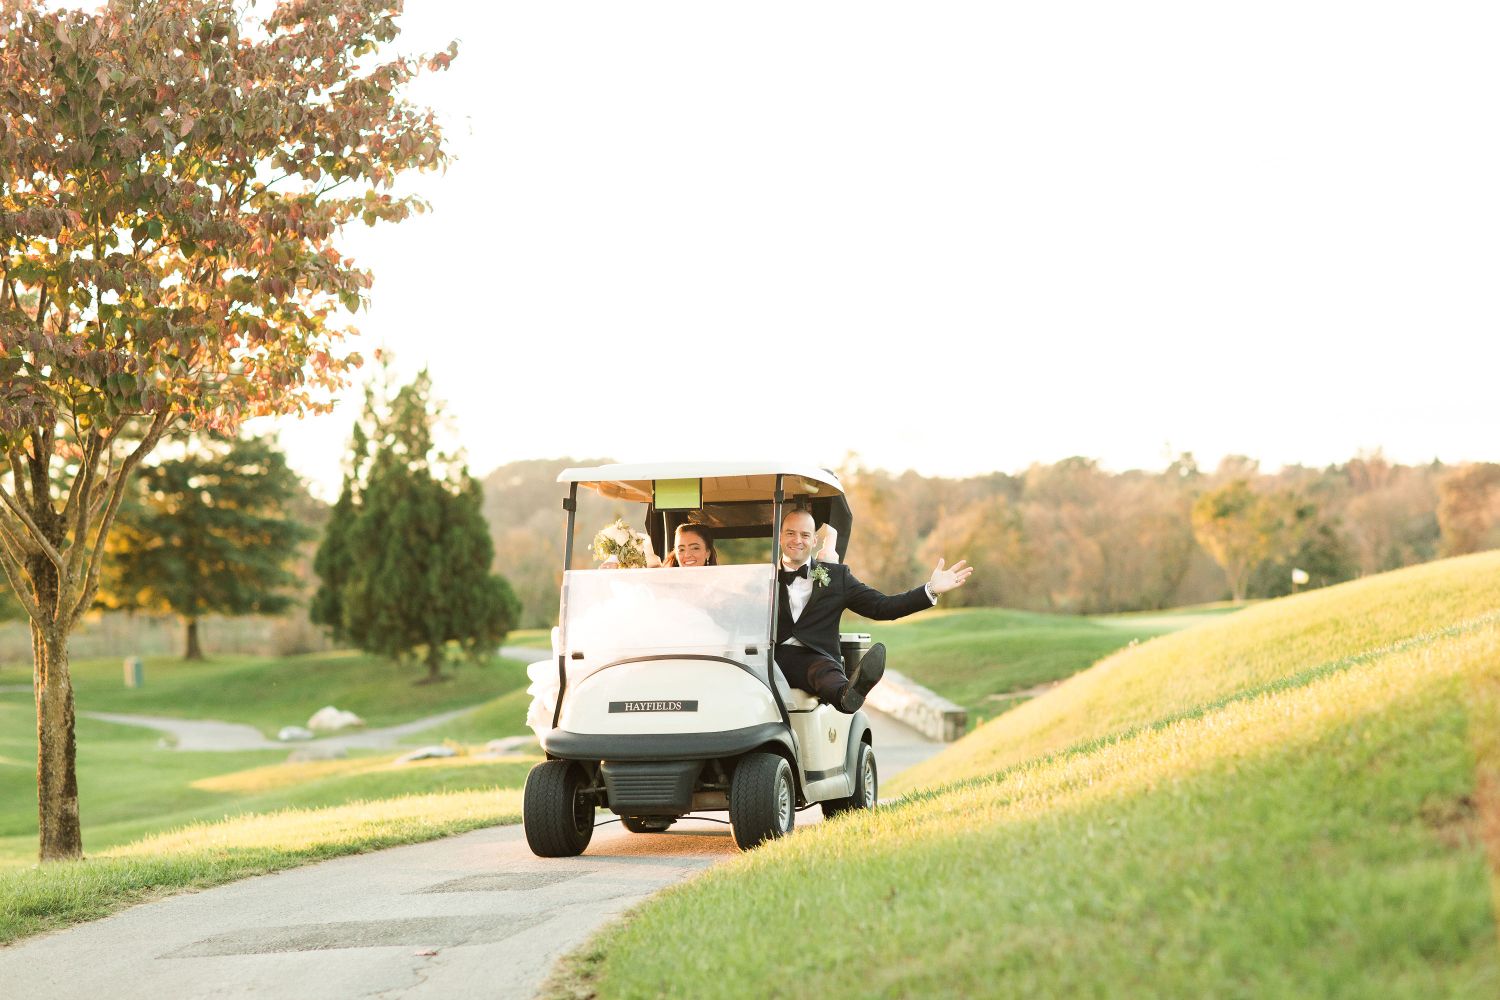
<point>954,237</point>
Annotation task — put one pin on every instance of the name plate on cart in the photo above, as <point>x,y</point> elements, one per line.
<point>653,706</point>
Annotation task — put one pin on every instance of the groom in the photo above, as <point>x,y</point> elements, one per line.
<point>813,598</point>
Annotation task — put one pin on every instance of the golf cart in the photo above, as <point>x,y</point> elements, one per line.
<point>669,700</point>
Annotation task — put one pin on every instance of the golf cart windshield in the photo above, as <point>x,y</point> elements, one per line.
<point>608,615</point>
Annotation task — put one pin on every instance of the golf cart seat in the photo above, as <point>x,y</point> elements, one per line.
<point>795,699</point>
<point>852,646</point>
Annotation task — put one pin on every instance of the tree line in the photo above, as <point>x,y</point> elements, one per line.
<point>1072,537</point>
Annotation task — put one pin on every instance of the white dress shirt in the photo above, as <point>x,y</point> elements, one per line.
<point>799,591</point>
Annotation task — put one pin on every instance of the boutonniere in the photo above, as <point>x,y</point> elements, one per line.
<point>819,576</point>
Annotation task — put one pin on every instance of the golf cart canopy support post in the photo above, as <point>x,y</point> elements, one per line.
<point>570,504</point>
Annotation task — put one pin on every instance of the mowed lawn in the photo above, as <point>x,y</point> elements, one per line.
<point>1290,801</point>
<point>157,820</point>
<point>984,658</point>
<point>271,692</point>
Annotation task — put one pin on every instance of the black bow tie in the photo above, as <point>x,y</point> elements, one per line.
<point>788,575</point>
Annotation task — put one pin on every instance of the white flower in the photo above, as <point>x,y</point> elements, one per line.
<point>617,541</point>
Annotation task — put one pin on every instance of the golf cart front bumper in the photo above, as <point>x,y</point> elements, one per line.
<point>560,743</point>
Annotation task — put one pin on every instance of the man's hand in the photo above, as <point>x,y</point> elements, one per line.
<point>944,580</point>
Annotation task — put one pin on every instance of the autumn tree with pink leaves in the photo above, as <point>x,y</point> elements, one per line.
<point>174,176</point>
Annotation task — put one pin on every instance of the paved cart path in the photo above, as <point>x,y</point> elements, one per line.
<point>209,735</point>
<point>467,917</point>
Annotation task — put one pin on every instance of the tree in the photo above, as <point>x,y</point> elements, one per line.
<point>883,549</point>
<point>208,533</point>
<point>1311,544</point>
<point>333,564</point>
<point>412,565</point>
<point>1468,509</point>
<point>168,205</point>
<point>1239,528</point>
<point>988,533</point>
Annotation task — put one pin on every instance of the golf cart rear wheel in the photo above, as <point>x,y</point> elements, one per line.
<point>866,786</point>
<point>647,824</point>
<point>762,800</point>
<point>556,810</point>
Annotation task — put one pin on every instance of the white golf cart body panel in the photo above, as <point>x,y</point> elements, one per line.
<point>650,650</point>
<point>667,696</point>
<point>647,649</point>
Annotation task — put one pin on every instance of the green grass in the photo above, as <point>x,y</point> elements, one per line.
<point>271,692</point>
<point>531,638</point>
<point>1288,802</point>
<point>981,657</point>
<point>1223,655</point>
<point>37,899</point>
<point>130,788</point>
<point>239,814</point>
<point>502,716</point>
<point>159,821</point>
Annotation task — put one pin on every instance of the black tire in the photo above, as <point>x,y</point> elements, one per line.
<point>647,824</point>
<point>762,800</point>
<point>866,786</point>
<point>556,812</point>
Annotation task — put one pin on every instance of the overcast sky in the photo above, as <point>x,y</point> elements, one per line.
<point>950,237</point>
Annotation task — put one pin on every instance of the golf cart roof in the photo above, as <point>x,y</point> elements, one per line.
<point>723,482</point>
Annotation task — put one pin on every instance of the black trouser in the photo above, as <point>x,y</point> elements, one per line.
<point>813,672</point>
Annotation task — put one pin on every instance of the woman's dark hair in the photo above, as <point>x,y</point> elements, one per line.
<point>702,532</point>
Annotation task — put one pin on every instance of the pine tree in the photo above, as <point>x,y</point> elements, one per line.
<point>208,533</point>
<point>332,564</point>
<point>406,566</point>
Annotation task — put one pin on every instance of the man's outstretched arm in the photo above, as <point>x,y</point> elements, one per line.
<point>871,603</point>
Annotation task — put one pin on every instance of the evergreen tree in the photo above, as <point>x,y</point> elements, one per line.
<point>208,533</point>
<point>332,564</point>
<point>406,565</point>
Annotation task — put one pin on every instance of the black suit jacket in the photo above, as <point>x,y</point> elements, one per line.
<point>818,628</point>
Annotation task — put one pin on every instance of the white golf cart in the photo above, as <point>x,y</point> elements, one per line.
<point>669,700</point>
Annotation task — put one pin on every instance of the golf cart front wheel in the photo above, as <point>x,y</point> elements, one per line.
<point>866,786</point>
<point>556,810</point>
<point>762,800</point>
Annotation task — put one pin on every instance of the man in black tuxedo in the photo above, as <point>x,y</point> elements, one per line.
<point>813,598</point>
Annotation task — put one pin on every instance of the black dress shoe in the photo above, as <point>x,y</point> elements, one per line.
<point>867,674</point>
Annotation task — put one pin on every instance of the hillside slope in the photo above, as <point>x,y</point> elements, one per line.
<point>1292,801</point>
<point>1231,656</point>
<point>982,657</point>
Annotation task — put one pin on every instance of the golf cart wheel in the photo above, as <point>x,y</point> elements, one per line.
<point>647,824</point>
<point>762,800</point>
<point>556,811</point>
<point>866,786</point>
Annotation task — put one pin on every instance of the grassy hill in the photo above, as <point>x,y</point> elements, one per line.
<point>1290,801</point>
<point>983,658</point>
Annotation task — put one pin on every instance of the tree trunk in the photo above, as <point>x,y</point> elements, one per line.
<point>434,663</point>
<point>194,651</point>
<point>56,778</point>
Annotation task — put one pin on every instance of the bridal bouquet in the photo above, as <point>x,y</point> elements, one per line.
<point>616,541</point>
